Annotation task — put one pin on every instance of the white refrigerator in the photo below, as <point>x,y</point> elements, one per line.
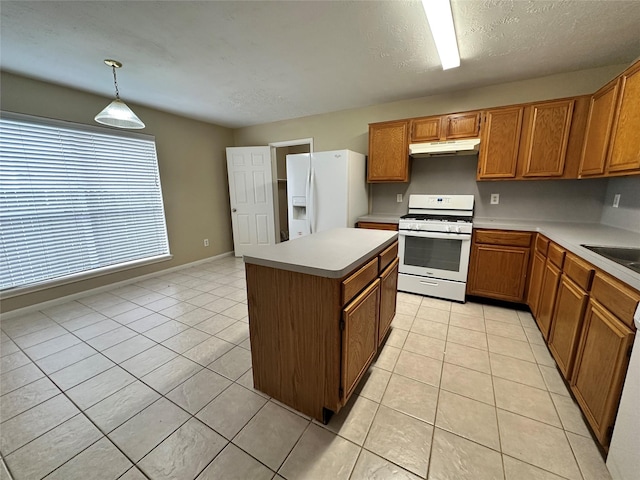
<point>325,190</point>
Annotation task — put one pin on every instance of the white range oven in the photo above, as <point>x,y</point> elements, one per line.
<point>435,244</point>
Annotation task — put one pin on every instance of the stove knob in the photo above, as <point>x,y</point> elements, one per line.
<point>447,228</point>
<point>458,230</point>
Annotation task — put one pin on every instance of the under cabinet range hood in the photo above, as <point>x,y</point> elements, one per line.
<point>467,146</point>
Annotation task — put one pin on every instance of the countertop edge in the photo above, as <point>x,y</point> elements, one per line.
<point>551,231</point>
<point>321,272</point>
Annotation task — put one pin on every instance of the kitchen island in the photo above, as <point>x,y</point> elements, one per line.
<point>319,308</point>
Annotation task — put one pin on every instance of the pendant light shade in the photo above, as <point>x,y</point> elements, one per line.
<point>117,113</point>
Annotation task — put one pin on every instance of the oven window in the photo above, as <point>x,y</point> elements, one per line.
<point>436,253</point>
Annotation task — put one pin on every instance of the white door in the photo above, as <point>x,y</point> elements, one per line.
<point>251,197</point>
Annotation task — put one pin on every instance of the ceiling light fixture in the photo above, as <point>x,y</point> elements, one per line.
<point>444,34</point>
<point>117,113</point>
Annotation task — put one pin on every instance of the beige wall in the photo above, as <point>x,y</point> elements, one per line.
<point>191,156</point>
<point>349,128</point>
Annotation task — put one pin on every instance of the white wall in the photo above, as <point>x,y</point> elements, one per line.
<point>627,215</point>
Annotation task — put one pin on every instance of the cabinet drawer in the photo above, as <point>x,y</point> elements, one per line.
<point>556,255</point>
<point>388,255</point>
<point>616,297</point>
<point>578,271</point>
<point>542,244</point>
<point>356,282</point>
<point>499,237</point>
<point>378,226</point>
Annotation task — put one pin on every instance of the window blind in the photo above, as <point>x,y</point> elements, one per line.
<point>74,199</point>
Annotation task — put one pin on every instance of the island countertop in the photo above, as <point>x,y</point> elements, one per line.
<point>331,254</point>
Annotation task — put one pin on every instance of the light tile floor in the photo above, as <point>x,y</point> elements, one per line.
<point>153,380</point>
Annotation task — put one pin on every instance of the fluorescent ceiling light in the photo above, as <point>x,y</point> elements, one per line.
<point>444,34</point>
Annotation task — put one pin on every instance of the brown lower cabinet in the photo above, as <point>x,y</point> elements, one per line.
<point>536,272</point>
<point>498,264</point>
<point>600,369</point>
<point>377,226</point>
<point>568,315</point>
<point>549,288</point>
<point>571,304</point>
<point>585,315</point>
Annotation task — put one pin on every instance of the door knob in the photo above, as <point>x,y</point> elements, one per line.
<point>233,210</point>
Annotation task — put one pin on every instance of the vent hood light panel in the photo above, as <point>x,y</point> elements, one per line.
<point>467,146</point>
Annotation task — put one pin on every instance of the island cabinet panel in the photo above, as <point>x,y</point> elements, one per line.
<point>359,337</point>
<point>309,346</point>
<point>602,109</point>
<point>624,155</point>
<point>571,303</point>
<point>388,255</point>
<point>544,146</point>
<point>356,282</point>
<point>499,143</point>
<point>388,294</point>
<point>388,159</point>
<point>600,368</point>
<point>295,337</point>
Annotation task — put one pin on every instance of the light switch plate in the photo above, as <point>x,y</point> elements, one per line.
<point>399,198</point>
<point>495,198</point>
<point>616,200</point>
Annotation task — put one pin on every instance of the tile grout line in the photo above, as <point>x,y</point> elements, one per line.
<point>81,411</point>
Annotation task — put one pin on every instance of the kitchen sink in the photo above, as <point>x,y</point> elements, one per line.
<point>627,257</point>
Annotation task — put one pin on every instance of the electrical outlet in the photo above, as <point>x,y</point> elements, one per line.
<point>399,198</point>
<point>616,200</point>
<point>495,198</point>
<point>206,242</point>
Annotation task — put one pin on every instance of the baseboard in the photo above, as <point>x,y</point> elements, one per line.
<point>86,293</point>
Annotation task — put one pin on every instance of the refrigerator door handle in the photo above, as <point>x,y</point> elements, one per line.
<point>308,198</point>
<point>312,203</point>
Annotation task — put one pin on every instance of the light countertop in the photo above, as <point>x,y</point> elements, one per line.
<point>572,235</point>
<point>332,253</point>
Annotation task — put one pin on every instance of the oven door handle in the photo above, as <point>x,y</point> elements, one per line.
<point>453,236</point>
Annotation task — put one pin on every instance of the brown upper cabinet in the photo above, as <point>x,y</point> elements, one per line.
<point>624,154</point>
<point>499,143</point>
<point>445,127</point>
<point>596,142</point>
<point>388,159</point>
<point>585,136</point>
<point>546,135</point>
<point>533,141</point>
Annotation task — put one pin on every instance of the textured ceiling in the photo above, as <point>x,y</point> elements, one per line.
<point>242,63</point>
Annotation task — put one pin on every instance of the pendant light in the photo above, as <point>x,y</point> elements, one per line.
<point>117,113</point>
